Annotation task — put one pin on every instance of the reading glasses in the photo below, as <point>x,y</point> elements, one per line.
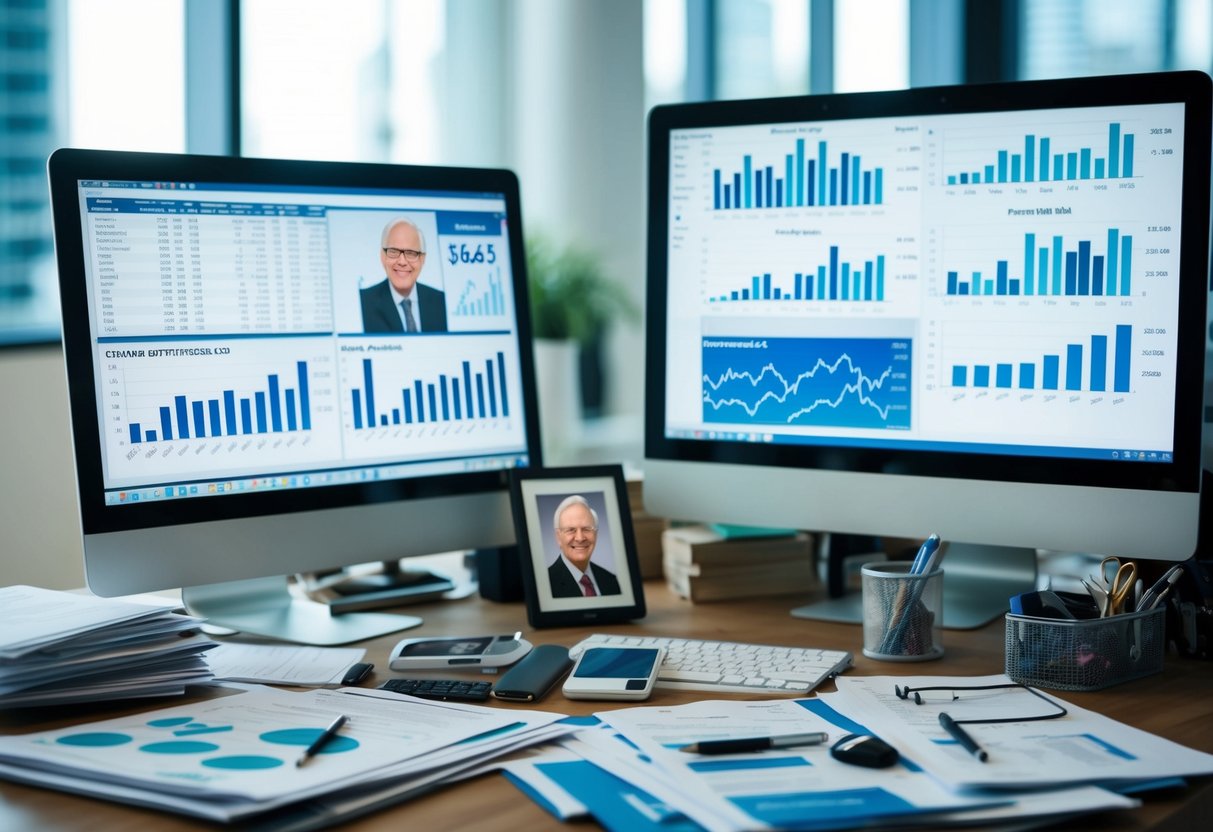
<point>410,254</point>
<point>962,693</point>
<point>569,531</point>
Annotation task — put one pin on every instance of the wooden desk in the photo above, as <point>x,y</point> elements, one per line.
<point>1175,704</point>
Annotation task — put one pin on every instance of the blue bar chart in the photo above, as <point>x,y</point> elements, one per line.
<point>1040,159</point>
<point>808,175</point>
<point>820,382</point>
<point>277,408</point>
<point>477,390</point>
<point>1056,268</point>
<point>835,280</point>
<point>481,300</point>
<point>1090,364</point>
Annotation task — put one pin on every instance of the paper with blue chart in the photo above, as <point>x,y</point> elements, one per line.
<point>1080,747</point>
<point>235,755</point>
<point>775,787</point>
<point>788,789</point>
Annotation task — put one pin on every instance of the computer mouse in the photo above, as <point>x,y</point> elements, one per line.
<point>864,750</point>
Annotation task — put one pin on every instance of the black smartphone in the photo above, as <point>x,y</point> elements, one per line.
<point>535,675</point>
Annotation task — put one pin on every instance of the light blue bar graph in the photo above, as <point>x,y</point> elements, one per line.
<point>1080,367</point>
<point>802,181</point>
<point>1116,162</point>
<point>439,397</point>
<point>215,416</point>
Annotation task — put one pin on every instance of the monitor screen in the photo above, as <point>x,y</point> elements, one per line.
<point>977,311</point>
<point>253,339</point>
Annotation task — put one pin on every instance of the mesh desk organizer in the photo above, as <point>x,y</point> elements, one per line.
<point>1084,655</point>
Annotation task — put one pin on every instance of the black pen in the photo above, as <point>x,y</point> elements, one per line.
<point>321,741</point>
<point>754,743</point>
<point>963,737</point>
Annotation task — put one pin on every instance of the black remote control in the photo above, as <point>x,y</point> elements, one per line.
<point>447,689</point>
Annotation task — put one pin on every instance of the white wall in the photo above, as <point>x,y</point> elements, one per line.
<point>39,524</point>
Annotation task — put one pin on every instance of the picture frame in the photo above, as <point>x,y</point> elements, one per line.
<point>596,542</point>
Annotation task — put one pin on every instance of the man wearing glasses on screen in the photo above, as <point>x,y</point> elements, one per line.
<point>572,575</point>
<point>398,303</point>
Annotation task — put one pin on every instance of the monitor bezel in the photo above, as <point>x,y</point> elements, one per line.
<point>69,166</point>
<point>1182,474</point>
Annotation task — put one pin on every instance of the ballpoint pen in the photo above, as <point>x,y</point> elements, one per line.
<point>1159,590</point>
<point>330,733</point>
<point>739,746</point>
<point>963,737</point>
<point>925,552</point>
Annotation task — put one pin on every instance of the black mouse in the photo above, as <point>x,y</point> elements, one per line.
<point>864,750</point>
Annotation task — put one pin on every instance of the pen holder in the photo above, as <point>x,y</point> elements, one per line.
<point>902,613</point>
<point>1084,655</point>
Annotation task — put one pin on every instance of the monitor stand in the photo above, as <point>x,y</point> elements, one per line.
<point>267,607</point>
<point>977,587</point>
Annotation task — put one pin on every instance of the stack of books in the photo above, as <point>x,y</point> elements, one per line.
<point>63,647</point>
<point>647,528</point>
<point>710,563</point>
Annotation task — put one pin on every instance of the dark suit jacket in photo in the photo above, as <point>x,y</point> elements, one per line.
<point>563,585</point>
<point>381,314</point>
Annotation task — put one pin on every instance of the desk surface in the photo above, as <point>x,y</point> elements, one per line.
<point>1174,704</point>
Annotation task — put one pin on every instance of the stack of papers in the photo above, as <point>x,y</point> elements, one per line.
<point>629,773</point>
<point>234,757</point>
<point>61,647</point>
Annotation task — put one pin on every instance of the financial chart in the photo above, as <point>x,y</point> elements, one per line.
<point>1004,280</point>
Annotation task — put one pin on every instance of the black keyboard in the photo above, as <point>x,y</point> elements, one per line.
<point>447,689</point>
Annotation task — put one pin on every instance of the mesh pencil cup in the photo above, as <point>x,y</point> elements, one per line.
<point>902,613</point>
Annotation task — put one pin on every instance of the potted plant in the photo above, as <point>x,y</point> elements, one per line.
<point>573,302</point>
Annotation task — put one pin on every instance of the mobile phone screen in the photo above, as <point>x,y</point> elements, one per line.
<point>616,663</point>
<point>448,647</point>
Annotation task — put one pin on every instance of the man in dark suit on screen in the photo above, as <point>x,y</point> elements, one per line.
<point>572,575</point>
<point>398,303</point>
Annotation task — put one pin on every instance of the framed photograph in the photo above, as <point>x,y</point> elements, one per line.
<point>577,547</point>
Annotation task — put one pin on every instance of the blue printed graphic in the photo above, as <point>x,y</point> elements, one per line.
<point>98,739</point>
<point>306,736</point>
<point>818,382</point>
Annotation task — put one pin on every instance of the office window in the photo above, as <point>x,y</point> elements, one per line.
<point>1063,38</point>
<point>79,73</point>
<point>762,48</point>
<point>353,81</point>
<point>871,45</point>
<point>665,51</point>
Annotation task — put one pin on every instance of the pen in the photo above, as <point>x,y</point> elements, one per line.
<point>963,737</point>
<point>321,741</point>
<point>925,551</point>
<point>1159,590</point>
<point>754,743</point>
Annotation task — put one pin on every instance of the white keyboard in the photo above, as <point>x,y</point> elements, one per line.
<point>731,667</point>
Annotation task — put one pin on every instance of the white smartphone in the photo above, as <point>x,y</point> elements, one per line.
<point>458,652</point>
<point>614,673</point>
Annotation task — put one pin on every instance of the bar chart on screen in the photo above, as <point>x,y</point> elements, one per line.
<point>191,408</point>
<point>1069,382</point>
<point>426,397</point>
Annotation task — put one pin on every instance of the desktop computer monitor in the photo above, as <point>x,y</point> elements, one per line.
<point>249,397</point>
<point>974,310</point>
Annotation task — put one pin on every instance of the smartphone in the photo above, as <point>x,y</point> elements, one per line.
<point>614,673</point>
<point>534,676</point>
<point>458,652</point>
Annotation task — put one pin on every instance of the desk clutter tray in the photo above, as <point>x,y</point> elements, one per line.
<point>1084,655</point>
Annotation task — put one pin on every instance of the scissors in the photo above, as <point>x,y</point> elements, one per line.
<point>1118,580</point>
